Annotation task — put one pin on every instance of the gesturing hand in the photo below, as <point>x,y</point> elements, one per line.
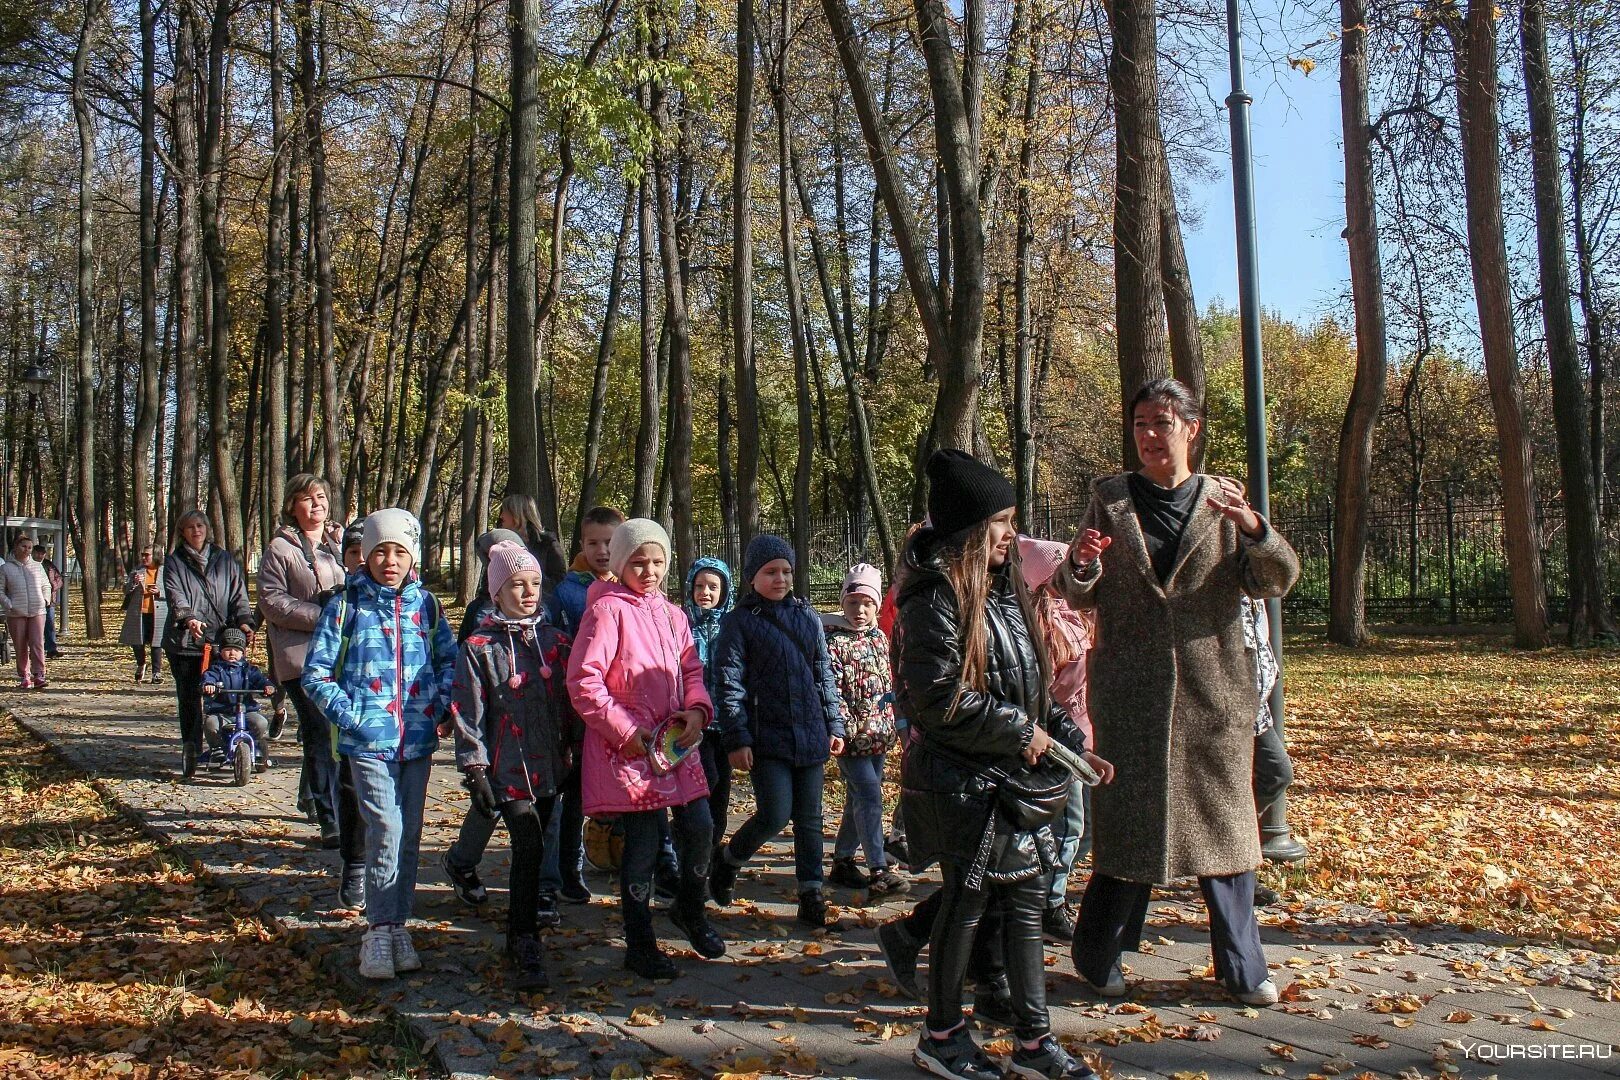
<point>1236,509</point>
<point>1089,545</point>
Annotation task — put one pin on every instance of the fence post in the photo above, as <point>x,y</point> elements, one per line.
<point>1451,551</point>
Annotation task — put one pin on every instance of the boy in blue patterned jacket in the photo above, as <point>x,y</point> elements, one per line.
<point>380,669</point>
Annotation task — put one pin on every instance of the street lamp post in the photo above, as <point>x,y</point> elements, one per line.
<point>1277,843</point>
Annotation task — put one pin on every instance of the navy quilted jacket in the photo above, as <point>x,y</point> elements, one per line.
<point>774,684</point>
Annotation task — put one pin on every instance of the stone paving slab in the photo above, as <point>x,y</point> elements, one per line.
<point>1367,995</point>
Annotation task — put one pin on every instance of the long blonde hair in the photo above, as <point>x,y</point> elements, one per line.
<point>968,570</point>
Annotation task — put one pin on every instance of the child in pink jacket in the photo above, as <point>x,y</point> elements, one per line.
<point>634,666</point>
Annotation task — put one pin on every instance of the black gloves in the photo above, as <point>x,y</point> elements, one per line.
<point>483,795</point>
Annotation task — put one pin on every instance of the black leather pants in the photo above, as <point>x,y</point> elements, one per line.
<point>1019,906</point>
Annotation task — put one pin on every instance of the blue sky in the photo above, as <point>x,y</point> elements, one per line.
<point>1299,195</point>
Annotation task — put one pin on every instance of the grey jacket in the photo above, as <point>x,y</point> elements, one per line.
<point>288,586</point>
<point>217,597</point>
<point>1172,688</point>
<point>133,633</point>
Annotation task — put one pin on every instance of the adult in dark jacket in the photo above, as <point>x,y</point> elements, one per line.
<point>206,593</point>
<point>1164,558</point>
<point>779,717</point>
<point>973,680</point>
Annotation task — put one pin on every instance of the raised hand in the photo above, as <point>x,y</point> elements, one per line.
<point>1088,546</point>
<point>1236,509</point>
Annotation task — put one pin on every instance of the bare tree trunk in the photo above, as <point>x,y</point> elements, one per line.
<point>1180,308</point>
<point>1023,426</point>
<point>591,474</point>
<point>722,438</point>
<point>647,432</point>
<point>1592,309</point>
<point>184,489</point>
<point>148,394</point>
<point>1474,40</point>
<point>275,318</point>
<point>472,416</point>
<point>522,418</point>
<point>88,542</point>
<point>1133,77</point>
<point>320,235</point>
<point>1589,616</point>
<point>742,281</point>
<point>1347,616</point>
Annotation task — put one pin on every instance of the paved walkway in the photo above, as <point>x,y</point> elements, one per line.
<point>1365,996</point>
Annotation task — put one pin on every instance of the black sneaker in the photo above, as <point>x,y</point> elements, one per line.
<point>264,764</point>
<point>900,954</point>
<point>844,872</point>
<point>1058,924</point>
<point>898,850</point>
<point>576,892</point>
<point>722,880</point>
<point>331,839</point>
<point>1265,895</point>
<point>956,1057</point>
<point>278,724</point>
<point>707,943</point>
<point>666,885</point>
<point>352,886</point>
<point>993,1009</point>
<point>528,959</point>
<point>546,915</point>
<point>812,909</point>
<point>464,883</point>
<point>888,882</point>
<point>650,963</point>
<point>1048,1061</point>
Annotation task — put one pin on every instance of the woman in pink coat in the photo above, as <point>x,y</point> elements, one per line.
<point>633,667</point>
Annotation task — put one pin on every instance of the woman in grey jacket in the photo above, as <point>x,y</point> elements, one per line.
<point>301,567</point>
<point>206,593</point>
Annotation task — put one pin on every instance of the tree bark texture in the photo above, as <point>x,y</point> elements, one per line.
<point>85,417</point>
<point>522,418</point>
<point>742,282</point>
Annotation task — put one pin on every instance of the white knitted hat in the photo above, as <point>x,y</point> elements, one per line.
<point>631,535</point>
<point>392,526</point>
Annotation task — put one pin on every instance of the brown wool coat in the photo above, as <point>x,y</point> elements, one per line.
<point>1172,689</point>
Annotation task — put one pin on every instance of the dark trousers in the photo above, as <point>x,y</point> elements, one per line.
<point>717,770</point>
<point>187,671</point>
<point>526,824</point>
<point>148,633</point>
<point>1113,911</point>
<point>50,630</point>
<point>784,791</point>
<point>1273,769</point>
<point>968,920</point>
<point>351,825</point>
<point>694,845</point>
<point>318,782</point>
<point>986,965</point>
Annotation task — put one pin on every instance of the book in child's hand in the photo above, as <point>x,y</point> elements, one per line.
<point>664,749</point>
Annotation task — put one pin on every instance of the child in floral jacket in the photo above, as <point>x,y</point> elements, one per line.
<point>860,664</point>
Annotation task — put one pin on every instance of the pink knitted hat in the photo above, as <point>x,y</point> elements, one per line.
<point>505,560</point>
<point>1040,559</point>
<point>866,579</point>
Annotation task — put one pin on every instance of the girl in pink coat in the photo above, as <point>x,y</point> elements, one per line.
<point>634,666</point>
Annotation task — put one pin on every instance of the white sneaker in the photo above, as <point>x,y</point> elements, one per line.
<point>377,954</point>
<point>1264,994</point>
<point>1115,986</point>
<point>405,958</point>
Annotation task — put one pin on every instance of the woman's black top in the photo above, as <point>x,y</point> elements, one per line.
<point>1163,513</point>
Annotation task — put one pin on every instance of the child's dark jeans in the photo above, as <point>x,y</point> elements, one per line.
<point>692,832</point>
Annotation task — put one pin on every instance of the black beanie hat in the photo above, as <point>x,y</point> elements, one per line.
<point>763,549</point>
<point>963,491</point>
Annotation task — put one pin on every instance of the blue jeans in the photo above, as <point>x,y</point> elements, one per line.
<point>391,796</point>
<point>50,630</point>
<point>784,791</point>
<point>1073,835</point>
<point>863,810</point>
<point>645,834</point>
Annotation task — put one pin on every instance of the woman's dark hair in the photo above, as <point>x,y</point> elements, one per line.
<point>1174,393</point>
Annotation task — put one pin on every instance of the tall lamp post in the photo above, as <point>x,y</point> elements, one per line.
<point>38,380</point>
<point>1277,843</point>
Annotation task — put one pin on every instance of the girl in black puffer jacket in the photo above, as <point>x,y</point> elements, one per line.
<point>973,680</point>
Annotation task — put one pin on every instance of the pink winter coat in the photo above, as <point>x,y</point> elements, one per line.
<point>633,665</point>
<point>1069,680</point>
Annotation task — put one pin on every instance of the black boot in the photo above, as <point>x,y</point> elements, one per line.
<point>707,943</point>
<point>528,959</point>
<point>812,909</point>
<point>649,962</point>
<point>722,879</point>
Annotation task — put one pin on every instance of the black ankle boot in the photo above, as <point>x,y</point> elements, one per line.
<point>649,962</point>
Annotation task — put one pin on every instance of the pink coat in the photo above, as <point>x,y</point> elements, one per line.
<point>1069,680</point>
<point>634,664</point>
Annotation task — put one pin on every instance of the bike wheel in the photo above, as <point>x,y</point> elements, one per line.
<point>242,762</point>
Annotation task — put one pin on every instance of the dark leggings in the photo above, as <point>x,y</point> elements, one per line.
<point>1017,907</point>
<point>148,634</point>
<point>187,671</point>
<point>717,770</point>
<point>526,825</point>
<point>643,839</point>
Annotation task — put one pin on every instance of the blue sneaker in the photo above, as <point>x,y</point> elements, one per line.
<point>955,1057</point>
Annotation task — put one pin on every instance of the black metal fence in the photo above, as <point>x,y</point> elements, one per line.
<point>1433,561</point>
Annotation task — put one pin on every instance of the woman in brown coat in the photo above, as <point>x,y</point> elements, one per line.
<point>1163,557</point>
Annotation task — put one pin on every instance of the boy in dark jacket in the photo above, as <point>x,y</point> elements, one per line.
<point>515,733</point>
<point>232,670</point>
<point>780,718</point>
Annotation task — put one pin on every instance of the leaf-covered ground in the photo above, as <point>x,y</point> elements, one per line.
<point>117,961</point>
<point>1456,781</point>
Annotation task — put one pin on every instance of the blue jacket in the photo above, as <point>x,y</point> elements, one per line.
<point>706,621</point>
<point>394,686</point>
<point>241,675</point>
<point>566,607</point>
<point>775,684</point>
